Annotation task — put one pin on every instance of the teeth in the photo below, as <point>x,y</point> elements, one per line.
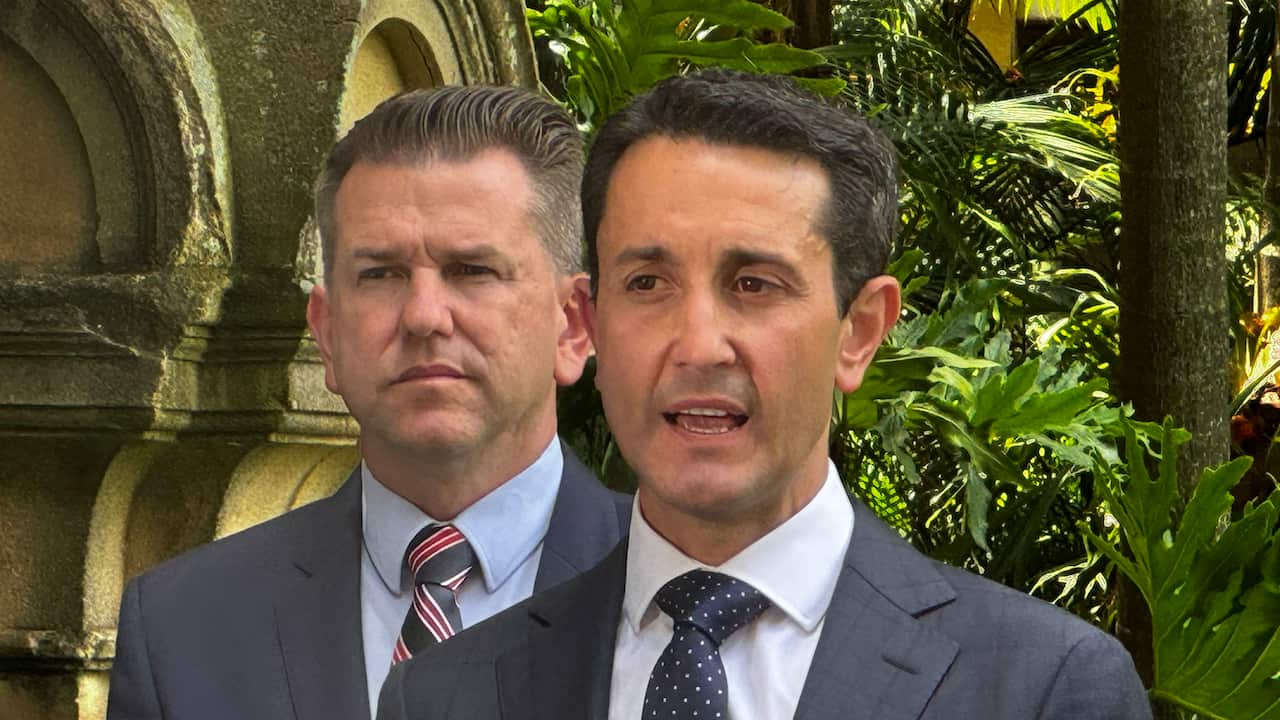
<point>706,412</point>
<point>708,431</point>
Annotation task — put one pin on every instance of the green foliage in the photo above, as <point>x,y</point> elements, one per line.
<point>1212,582</point>
<point>1000,176</point>
<point>615,50</point>
<point>978,457</point>
<point>1251,37</point>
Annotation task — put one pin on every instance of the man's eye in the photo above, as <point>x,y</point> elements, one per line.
<point>642,283</point>
<point>377,273</point>
<point>748,284</point>
<point>469,270</point>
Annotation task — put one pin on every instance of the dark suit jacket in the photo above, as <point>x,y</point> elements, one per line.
<point>266,623</point>
<point>905,638</point>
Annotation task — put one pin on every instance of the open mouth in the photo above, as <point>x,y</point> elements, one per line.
<point>706,421</point>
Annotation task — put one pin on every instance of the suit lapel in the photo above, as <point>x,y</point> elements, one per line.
<point>875,660</point>
<point>317,613</point>
<point>565,667</point>
<point>584,526</point>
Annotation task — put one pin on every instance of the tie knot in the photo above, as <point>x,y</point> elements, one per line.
<point>440,555</point>
<point>713,602</point>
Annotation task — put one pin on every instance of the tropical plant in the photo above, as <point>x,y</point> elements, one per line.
<point>1251,37</point>
<point>1210,578</point>
<point>981,459</point>
<point>999,176</point>
<point>614,50</point>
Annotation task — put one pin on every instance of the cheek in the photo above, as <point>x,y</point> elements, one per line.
<point>623,363</point>
<point>518,340</point>
<point>371,318</point>
<point>800,374</point>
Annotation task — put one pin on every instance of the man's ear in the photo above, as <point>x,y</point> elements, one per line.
<point>574,344</point>
<point>871,314</point>
<point>318,310</point>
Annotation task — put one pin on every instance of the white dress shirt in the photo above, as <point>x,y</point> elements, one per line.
<point>796,566</point>
<point>505,529</point>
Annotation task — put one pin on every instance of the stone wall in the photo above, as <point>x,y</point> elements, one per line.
<point>157,385</point>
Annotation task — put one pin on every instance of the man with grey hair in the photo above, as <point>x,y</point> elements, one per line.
<point>451,309</point>
<point>737,230</point>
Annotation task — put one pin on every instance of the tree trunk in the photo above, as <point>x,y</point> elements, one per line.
<point>1174,324</point>
<point>812,20</point>
<point>1273,123</point>
<point>1266,280</point>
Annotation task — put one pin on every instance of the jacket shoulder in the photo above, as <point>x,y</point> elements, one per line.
<point>991,605</point>
<point>1030,657</point>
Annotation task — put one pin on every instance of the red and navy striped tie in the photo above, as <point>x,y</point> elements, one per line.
<point>439,558</point>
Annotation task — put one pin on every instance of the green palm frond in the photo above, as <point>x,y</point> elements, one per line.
<point>616,50</point>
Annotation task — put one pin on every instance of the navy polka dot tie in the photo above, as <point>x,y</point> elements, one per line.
<point>688,680</point>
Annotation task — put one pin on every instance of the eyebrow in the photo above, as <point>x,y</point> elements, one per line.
<point>733,257</point>
<point>738,257</point>
<point>375,253</point>
<point>479,251</point>
<point>648,253</point>
<point>471,253</point>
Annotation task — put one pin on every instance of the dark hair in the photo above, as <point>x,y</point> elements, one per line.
<point>729,107</point>
<point>456,123</point>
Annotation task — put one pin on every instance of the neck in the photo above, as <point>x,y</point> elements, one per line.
<point>442,484</point>
<point>712,544</point>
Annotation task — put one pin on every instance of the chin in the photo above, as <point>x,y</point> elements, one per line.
<point>708,495</point>
<point>438,438</point>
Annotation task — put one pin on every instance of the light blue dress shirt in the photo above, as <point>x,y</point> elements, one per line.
<point>505,529</point>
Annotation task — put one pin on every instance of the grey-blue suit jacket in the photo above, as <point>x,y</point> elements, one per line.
<point>266,623</point>
<point>905,638</point>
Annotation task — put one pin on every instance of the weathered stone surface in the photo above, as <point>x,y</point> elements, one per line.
<point>44,164</point>
<point>158,388</point>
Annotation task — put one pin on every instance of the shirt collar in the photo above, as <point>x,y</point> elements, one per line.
<point>503,527</point>
<point>795,565</point>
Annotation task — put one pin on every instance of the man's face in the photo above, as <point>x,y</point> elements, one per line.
<point>717,333</point>
<point>444,323</point>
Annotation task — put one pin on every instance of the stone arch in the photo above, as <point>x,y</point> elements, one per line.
<point>49,214</point>
<point>159,498</point>
<point>464,42</point>
<point>274,479</point>
<point>68,155</point>
<point>405,44</point>
<point>127,75</point>
<point>156,499</point>
<point>393,57</point>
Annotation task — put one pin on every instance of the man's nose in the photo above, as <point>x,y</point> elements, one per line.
<point>702,332</point>
<point>428,308</point>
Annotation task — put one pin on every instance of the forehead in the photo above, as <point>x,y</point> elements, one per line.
<point>491,185</point>
<point>689,195</point>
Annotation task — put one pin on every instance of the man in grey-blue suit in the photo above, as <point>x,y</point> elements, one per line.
<point>451,310</point>
<point>737,230</point>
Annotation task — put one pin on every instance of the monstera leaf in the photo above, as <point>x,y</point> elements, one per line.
<point>1212,583</point>
<point>937,376</point>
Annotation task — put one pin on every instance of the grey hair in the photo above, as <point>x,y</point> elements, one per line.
<point>734,108</point>
<point>456,123</point>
